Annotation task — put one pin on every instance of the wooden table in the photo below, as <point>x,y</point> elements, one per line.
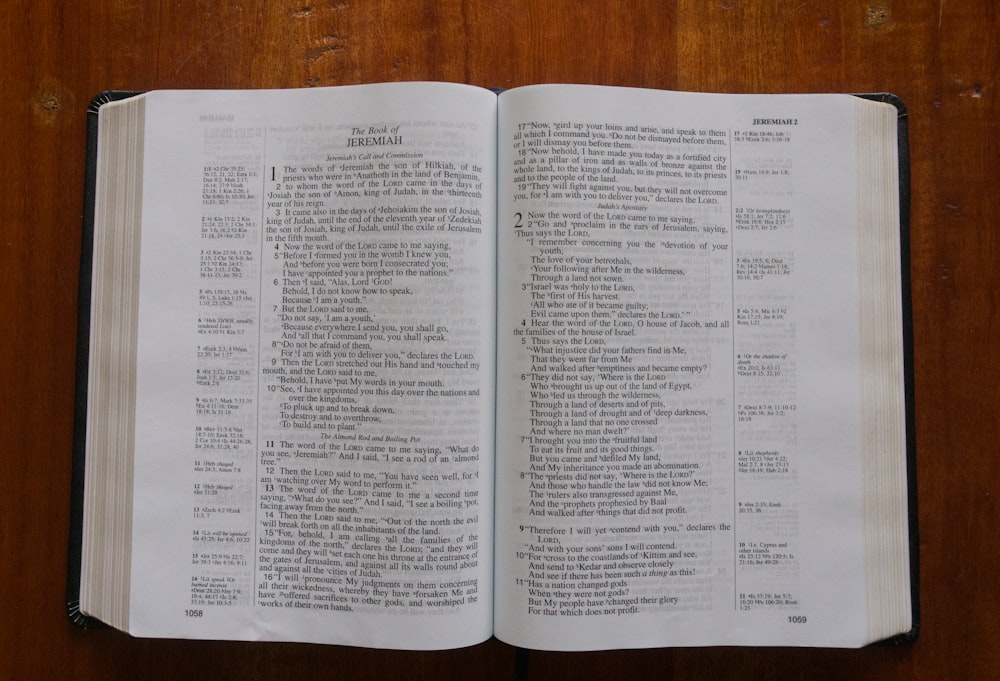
<point>942,58</point>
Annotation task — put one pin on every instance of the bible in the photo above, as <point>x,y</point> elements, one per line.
<point>412,365</point>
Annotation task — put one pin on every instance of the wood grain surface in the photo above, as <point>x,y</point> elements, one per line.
<point>942,58</point>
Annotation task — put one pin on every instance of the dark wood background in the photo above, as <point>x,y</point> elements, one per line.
<point>942,58</point>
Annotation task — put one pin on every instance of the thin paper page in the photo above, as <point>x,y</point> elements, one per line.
<point>679,416</point>
<point>315,415</point>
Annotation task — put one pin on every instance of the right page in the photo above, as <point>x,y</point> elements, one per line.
<point>690,398</point>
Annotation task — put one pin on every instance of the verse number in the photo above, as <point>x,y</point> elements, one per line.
<point>797,619</point>
<point>194,613</point>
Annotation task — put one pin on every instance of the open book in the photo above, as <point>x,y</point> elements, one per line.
<point>411,365</point>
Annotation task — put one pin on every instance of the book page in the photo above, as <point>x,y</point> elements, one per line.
<point>315,376</point>
<point>678,450</point>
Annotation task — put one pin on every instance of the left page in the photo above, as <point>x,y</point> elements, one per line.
<point>314,416</point>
